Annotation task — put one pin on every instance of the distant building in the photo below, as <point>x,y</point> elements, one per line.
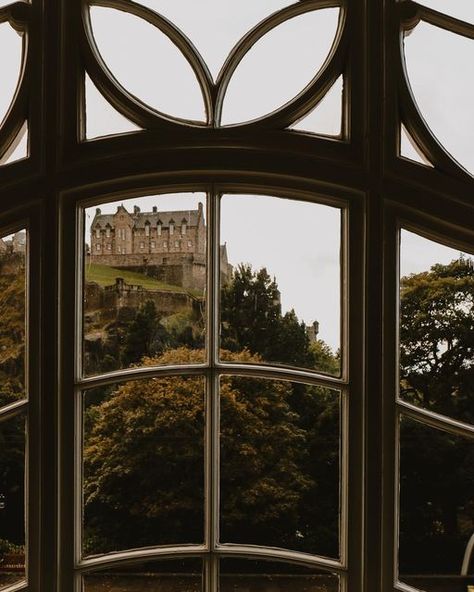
<point>15,244</point>
<point>312,331</point>
<point>168,245</point>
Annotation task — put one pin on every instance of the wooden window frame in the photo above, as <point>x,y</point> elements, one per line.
<point>380,190</point>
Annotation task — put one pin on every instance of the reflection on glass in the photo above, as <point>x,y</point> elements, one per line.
<point>143,464</point>
<point>326,118</point>
<point>169,84</point>
<point>436,507</point>
<point>12,317</point>
<point>237,575</point>
<point>12,501</point>
<point>281,295</point>
<point>437,64</point>
<point>280,464</point>
<point>436,327</point>
<point>101,118</point>
<point>280,65</point>
<point>160,576</point>
<point>145,277</point>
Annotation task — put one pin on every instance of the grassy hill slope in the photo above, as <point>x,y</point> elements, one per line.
<point>106,276</point>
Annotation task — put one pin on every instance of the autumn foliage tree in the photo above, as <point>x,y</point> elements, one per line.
<point>144,467</point>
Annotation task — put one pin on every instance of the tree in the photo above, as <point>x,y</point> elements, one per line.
<point>146,336</point>
<point>437,339</point>
<point>144,464</point>
<point>437,373</point>
<point>251,319</point>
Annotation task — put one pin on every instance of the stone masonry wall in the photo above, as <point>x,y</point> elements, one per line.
<point>122,295</point>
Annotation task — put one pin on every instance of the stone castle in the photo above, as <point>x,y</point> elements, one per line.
<point>170,246</point>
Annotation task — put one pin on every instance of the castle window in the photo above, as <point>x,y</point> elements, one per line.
<point>97,232</point>
<point>109,247</point>
<point>97,247</point>
<point>147,229</point>
<point>183,228</point>
<point>107,232</point>
<point>176,244</point>
<point>158,228</point>
<point>142,245</point>
<point>190,244</point>
<point>152,244</point>
<point>165,244</point>
<point>171,227</point>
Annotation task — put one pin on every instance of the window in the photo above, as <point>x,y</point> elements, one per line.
<point>153,244</point>
<point>288,402</point>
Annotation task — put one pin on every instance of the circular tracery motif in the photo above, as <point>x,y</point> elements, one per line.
<point>163,100</point>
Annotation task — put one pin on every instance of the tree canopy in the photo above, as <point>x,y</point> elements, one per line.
<point>144,461</point>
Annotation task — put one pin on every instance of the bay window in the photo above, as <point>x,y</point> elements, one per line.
<point>287,403</point>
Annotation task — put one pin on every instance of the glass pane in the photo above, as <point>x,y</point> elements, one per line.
<point>12,501</point>
<point>160,576</point>
<point>148,65</point>
<point>215,26</point>
<point>281,299</point>
<point>280,65</point>
<point>145,277</point>
<point>410,149</point>
<point>438,66</point>
<point>461,9</point>
<point>12,317</point>
<point>436,507</point>
<point>436,327</point>
<point>11,50</point>
<point>280,465</point>
<point>143,464</point>
<point>326,118</point>
<point>18,150</point>
<point>237,575</point>
<point>101,118</point>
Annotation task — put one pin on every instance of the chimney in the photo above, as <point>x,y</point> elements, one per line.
<point>200,208</point>
<point>136,210</point>
<point>155,209</point>
<point>97,211</point>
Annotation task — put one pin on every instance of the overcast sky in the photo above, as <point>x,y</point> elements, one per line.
<point>297,242</point>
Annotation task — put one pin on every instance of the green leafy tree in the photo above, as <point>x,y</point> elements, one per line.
<point>251,319</point>
<point>146,336</point>
<point>437,373</point>
<point>437,339</point>
<point>144,467</point>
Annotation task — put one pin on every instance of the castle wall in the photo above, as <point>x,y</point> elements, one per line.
<point>111,299</point>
